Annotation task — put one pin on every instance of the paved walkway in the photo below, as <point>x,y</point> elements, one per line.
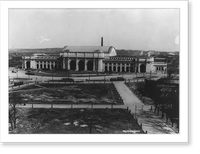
<point>151,123</point>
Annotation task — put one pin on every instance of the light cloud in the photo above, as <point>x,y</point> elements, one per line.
<point>137,29</point>
<point>44,39</point>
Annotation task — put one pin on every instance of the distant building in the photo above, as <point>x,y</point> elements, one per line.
<point>92,58</point>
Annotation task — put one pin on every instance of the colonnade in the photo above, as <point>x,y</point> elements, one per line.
<point>83,64</point>
<point>124,67</point>
<point>48,65</point>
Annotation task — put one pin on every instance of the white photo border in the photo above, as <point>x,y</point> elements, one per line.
<point>182,137</point>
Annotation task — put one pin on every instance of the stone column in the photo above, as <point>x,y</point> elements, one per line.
<point>64,63</point>
<point>125,67</point>
<point>46,64</point>
<point>68,63</point>
<point>116,67</point>
<point>54,64</point>
<point>85,67</point>
<point>50,65</point>
<point>139,68</point>
<point>121,67</point>
<point>77,64</point>
<point>25,65</point>
<point>112,67</point>
<point>94,68</point>
<point>100,65</point>
<point>108,67</point>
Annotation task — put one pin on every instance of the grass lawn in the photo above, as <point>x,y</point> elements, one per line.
<point>75,121</point>
<point>70,94</point>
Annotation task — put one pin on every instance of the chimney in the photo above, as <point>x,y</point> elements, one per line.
<point>101,41</point>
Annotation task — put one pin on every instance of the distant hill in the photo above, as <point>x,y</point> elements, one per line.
<point>42,50</point>
<point>120,53</point>
<point>128,53</point>
<point>141,53</point>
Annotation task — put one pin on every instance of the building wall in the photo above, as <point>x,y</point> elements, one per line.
<point>148,67</point>
<point>101,62</point>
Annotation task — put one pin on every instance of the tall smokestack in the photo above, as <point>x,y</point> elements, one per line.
<point>101,41</point>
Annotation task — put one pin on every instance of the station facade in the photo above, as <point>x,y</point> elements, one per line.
<point>93,58</point>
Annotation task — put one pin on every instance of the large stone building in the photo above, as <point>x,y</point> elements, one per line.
<point>93,58</point>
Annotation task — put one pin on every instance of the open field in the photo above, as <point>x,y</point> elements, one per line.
<point>69,94</point>
<point>76,121</point>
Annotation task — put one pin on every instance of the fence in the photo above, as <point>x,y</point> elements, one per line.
<point>20,86</point>
<point>74,106</point>
<point>133,112</point>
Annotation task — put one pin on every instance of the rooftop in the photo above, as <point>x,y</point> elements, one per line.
<point>86,48</point>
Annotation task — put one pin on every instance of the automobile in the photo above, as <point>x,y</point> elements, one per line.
<point>29,73</point>
<point>67,79</point>
<point>117,79</point>
<point>18,83</point>
<point>14,71</point>
<point>120,79</point>
<point>113,79</point>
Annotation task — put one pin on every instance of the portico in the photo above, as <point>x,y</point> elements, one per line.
<point>85,58</point>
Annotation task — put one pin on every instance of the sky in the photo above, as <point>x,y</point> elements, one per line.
<point>129,29</point>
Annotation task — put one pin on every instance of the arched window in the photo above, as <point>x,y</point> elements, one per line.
<point>142,68</point>
<point>90,65</point>
<point>81,65</point>
<point>73,65</point>
<point>28,64</point>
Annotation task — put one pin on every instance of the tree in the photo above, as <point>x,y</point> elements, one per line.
<point>172,65</point>
<point>14,99</point>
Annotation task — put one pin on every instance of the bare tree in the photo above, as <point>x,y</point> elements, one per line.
<point>14,99</point>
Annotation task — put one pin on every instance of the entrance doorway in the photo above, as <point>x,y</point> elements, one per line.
<point>73,65</point>
<point>90,65</point>
<point>28,64</point>
<point>142,68</point>
<point>81,65</point>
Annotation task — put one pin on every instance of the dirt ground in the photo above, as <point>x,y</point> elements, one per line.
<point>75,121</point>
<point>69,94</point>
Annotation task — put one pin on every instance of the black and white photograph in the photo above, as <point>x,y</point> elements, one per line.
<point>94,71</point>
